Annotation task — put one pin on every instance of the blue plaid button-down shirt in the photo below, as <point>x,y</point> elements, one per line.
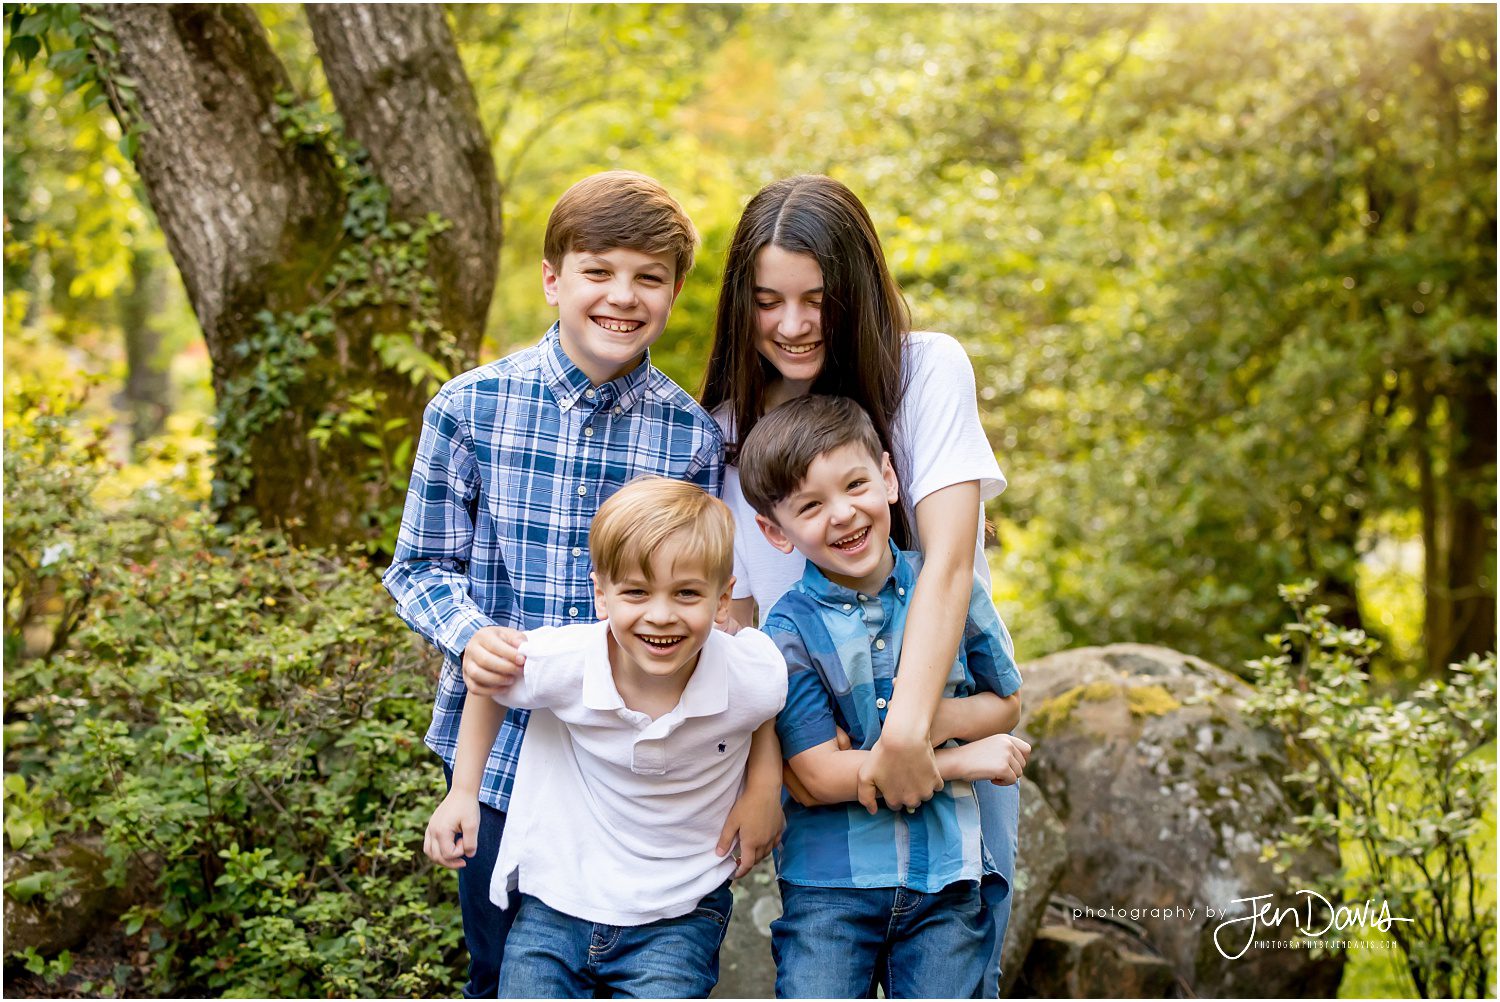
<point>841,650</point>
<point>514,460</point>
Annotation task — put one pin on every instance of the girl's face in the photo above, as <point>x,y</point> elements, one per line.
<point>788,303</point>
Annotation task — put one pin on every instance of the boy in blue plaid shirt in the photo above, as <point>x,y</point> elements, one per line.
<point>515,458</point>
<point>870,898</point>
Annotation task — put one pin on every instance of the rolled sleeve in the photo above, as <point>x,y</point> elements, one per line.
<point>988,650</point>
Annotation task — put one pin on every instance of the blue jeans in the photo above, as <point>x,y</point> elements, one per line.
<point>840,942</point>
<point>485,923</point>
<point>550,955</point>
<point>1000,821</point>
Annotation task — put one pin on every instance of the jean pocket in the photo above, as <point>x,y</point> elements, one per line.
<point>717,906</point>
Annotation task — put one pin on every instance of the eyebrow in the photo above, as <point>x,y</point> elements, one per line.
<point>762,290</point>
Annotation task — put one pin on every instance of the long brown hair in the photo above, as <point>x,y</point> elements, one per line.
<point>864,318</point>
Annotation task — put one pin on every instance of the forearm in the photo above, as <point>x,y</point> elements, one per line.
<point>477,729</point>
<point>832,777</point>
<point>434,601</point>
<point>970,718</point>
<point>763,769</point>
<point>930,643</point>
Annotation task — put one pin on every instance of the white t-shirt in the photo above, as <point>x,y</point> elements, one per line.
<point>939,442</point>
<point>615,817</point>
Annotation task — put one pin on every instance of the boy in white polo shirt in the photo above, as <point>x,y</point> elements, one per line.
<point>625,784</point>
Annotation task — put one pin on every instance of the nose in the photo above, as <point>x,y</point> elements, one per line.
<point>621,292</point>
<point>795,320</point>
<point>660,612</point>
<point>840,510</point>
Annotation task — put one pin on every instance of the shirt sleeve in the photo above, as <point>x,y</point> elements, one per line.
<point>939,431</point>
<point>989,653</point>
<point>807,719</point>
<point>552,674</point>
<point>429,576</point>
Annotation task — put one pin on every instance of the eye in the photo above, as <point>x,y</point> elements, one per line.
<point>806,507</point>
<point>816,304</point>
<point>653,280</point>
<point>595,272</point>
<point>689,594</point>
<point>857,483</point>
<point>634,593</point>
<point>762,304</point>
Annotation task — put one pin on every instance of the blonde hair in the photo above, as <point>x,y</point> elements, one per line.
<point>620,208</point>
<point>641,517</point>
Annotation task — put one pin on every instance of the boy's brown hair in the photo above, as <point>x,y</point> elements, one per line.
<point>646,513</point>
<point>620,208</point>
<point>775,456</point>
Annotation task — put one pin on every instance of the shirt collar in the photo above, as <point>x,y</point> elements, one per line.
<point>569,385</point>
<point>816,584</point>
<point>706,694</point>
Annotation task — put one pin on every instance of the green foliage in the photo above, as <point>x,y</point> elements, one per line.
<point>239,719</point>
<point>1408,784</point>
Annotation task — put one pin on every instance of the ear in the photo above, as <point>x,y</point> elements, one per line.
<point>677,287</point>
<point>601,604</point>
<point>721,614</point>
<point>773,534</point>
<point>549,283</point>
<point>888,474</point>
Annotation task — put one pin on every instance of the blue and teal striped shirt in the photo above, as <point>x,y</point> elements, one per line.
<point>841,650</point>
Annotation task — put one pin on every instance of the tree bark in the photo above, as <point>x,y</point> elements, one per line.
<point>398,83</point>
<point>255,223</point>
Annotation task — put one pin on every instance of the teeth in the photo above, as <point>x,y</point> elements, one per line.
<point>618,326</point>
<point>797,349</point>
<point>662,642</point>
<point>849,541</point>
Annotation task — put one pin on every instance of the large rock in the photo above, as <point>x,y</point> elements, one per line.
<point>1169,797</point>
<point>86,901</point>
<point>1071,963</point>
<point>1041,858</point>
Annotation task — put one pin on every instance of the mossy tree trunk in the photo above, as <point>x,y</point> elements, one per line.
<point>317,273</point>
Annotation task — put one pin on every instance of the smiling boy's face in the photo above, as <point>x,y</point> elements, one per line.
<point>611,306</point>
<point>839,517</point>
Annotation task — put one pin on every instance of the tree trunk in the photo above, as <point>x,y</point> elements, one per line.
<point>148,391</point>
<point>254,216</point>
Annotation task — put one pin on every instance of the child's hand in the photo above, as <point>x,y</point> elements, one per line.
<point>453,832</point>
<point>755,822</point>
<point>999,758</point>
<point>493,660</point>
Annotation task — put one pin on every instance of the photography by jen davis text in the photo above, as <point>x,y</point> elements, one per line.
<point>1248,922</point>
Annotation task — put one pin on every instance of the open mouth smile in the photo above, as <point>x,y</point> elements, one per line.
<point>852,542</point>
<point>618,326</point>
<point>661,645</point>
<point>799,349</point>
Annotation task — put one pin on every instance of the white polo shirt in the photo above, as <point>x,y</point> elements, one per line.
<point>614,817</point>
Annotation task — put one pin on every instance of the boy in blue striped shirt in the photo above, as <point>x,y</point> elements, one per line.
<point>889,898</point>
<point>515,458</point>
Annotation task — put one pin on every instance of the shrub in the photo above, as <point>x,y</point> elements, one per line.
<point>1406,784</point>
<point>241,720</point>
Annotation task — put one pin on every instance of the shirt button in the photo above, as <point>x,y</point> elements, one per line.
<point>582,490</point>
<point>880,645</point>
<point>590,394</point>
<point>901,592</point>
<point>577,552</point>
<point>588,432</point>
<point>572,610</point>
<point>847,606</point>
<point>619,410</point>
<point>864,598</point>
<point>880,704</point>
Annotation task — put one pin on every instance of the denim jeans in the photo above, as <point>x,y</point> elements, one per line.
<point>485,923</point>
<point>550,955</point>
<point>840,942</point>
<point>1000,821</point>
